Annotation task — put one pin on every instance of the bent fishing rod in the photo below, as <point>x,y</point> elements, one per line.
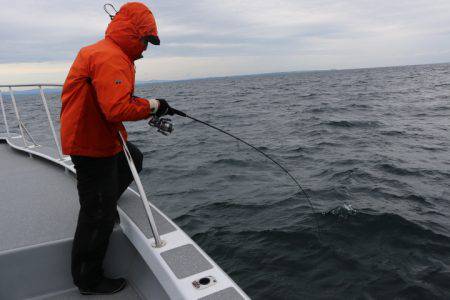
<point>165,126</point>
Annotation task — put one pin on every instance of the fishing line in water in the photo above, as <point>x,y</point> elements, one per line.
<point>161,123</point>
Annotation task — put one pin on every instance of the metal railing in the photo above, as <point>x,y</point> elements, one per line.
<point>21,125</point>
<point>23,130</point>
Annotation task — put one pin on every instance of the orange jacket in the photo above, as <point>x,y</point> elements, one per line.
<point>98,93</point>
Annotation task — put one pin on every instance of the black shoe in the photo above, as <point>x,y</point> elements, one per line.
<point>105,287</point>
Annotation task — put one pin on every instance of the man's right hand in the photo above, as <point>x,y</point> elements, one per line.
<point>164,108</point>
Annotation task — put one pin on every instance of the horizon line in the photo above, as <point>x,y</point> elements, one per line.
<point>156,81</point>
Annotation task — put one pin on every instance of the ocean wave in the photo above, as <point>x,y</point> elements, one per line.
<point>296,200</point>
<point>403,171</point>
<point>318,110</point>
<point>346,162</point>
<point>389,225</point>
<point>353,124</point>
<point>390,168</point>
<point>361,106</point>
<point>393,132</point>
<point>442,84</point>
<point>308,95</point>
<point>351,173</point>
<point>441,108</point>
<point>229,162</point>
<point>359,252</point>
<point>342,212</point>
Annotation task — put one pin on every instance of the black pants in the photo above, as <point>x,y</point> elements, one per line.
<point>100,183</point>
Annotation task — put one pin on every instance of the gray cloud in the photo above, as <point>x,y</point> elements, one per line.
<point>344,33</point>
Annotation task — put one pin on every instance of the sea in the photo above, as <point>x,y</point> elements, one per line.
<point>371,148</point>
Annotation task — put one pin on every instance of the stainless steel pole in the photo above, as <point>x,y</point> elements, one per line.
<point>52,128</point>
<point>4,114</point>
<point>158,242</point>
<point>17,115</point>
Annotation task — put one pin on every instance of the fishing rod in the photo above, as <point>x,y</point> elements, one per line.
<point>165,126</point>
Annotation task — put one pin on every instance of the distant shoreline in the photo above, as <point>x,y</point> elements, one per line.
<point>146,82</point>
<point>284,72</point>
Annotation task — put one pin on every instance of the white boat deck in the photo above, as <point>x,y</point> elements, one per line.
<point>127,293</point>
<point>35,211</point>
<point>34,217</point>
<point>38,214</point>
<point>32,210</point>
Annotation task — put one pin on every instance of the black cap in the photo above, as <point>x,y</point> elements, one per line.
<point>153,39</point>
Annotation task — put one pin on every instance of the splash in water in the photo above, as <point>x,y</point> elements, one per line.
<point>342,212</point>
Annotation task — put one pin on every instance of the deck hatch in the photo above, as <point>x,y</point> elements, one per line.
<point>185,261</point>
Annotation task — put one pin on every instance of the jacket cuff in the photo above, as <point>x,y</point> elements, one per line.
<point>154,105</point>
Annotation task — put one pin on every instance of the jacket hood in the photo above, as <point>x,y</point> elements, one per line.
<point>133,22</point>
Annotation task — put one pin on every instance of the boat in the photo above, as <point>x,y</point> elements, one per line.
<point>38,214</point>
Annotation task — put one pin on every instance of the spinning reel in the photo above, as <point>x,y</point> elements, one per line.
<point>164,125</point>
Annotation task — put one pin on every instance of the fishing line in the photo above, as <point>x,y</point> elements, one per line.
<point>161,123</point>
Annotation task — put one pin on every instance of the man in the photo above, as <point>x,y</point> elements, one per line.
<point>97,97</point>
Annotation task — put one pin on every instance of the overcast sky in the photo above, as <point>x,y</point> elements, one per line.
<point>201,38</point>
